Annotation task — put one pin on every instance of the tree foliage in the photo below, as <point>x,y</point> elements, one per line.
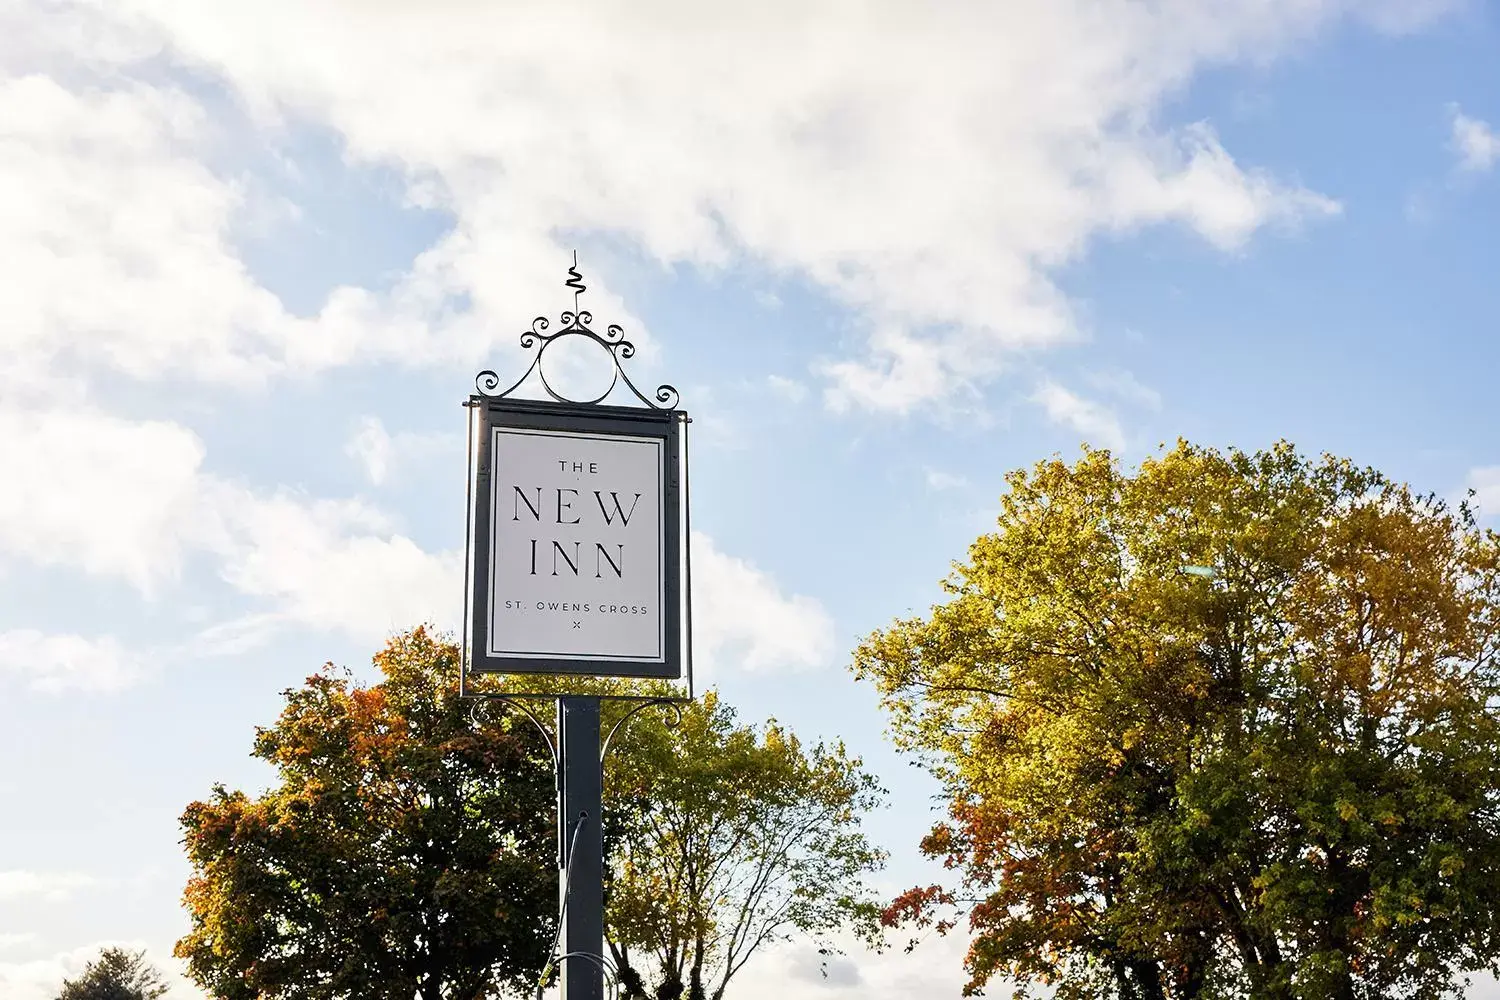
<point>724,839</point>
<point>407,849</point>
<point>1225,727</point>
<point>116,974</point>
<point>409,846</point>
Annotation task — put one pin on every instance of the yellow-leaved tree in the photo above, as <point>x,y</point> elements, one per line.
<point>725,838</point>
<point>1221,727</point>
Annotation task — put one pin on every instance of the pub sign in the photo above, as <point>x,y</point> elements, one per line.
<point>576,539</point>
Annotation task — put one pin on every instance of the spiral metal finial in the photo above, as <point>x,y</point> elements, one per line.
<point>575,281</point>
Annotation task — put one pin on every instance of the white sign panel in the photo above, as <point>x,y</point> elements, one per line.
<point>576,556</point>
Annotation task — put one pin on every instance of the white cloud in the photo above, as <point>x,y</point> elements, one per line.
<point>910,372</point>
<point>122,217</point>
<point>37,980</point>
<point>131,501</point>
<point>788,389</point>
<point>1124,385</point>
<point>115,244</point>
<point>10,940</point>
<point>371,447</point>
<point>41,979</point>
<point>235,636</point>
<point>835,972</point>
<point>339,565</point>
<point>109,496</point>
<point>1400,16</point>
<point>333,564</point>
<point>330,564</point>
<point>60,663</point>
<point>380,453</point>
<point>1095,421</point>
<point>791,971</point>
<point>742,620</point>
<point>938,480</point>
<point>1474,141</point>
<point>1485,482</point>
<point>928,167</point>
<point>49,886</point>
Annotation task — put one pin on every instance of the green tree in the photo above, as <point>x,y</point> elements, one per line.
<point>407,849</point>
<point>724,839</point>
<point>116,974</point>
<point>1225,727</point>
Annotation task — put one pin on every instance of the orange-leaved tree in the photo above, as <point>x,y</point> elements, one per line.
<point>407,849</point>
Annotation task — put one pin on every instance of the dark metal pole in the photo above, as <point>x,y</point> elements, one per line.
<point>580,781</point>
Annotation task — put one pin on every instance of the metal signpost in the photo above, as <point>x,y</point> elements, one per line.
<point>578,565</point>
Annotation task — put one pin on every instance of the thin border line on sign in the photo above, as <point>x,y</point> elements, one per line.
<point>659,444</point>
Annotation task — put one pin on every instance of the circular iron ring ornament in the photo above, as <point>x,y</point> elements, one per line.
<point>575,323</point>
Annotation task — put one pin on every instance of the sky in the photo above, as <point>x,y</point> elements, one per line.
<point>254,255</point>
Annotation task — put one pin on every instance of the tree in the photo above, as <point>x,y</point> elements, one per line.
<point>724,839</point>
<point>116,974</point>
<point>1225,727</point>
<point>407,848</point>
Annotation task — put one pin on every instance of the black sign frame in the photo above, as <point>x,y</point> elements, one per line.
<point>488,413</point>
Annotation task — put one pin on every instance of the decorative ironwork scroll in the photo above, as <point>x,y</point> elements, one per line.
<point>575,323</point>
<point>672,705</point>
<point>480,714</point>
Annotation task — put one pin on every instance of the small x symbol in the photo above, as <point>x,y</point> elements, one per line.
<point>578,624</point>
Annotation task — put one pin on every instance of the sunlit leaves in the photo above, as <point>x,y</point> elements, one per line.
<point>408,847</point>
<point>1222,727</point>
<point>405,850</point>
<point>727,838</point>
